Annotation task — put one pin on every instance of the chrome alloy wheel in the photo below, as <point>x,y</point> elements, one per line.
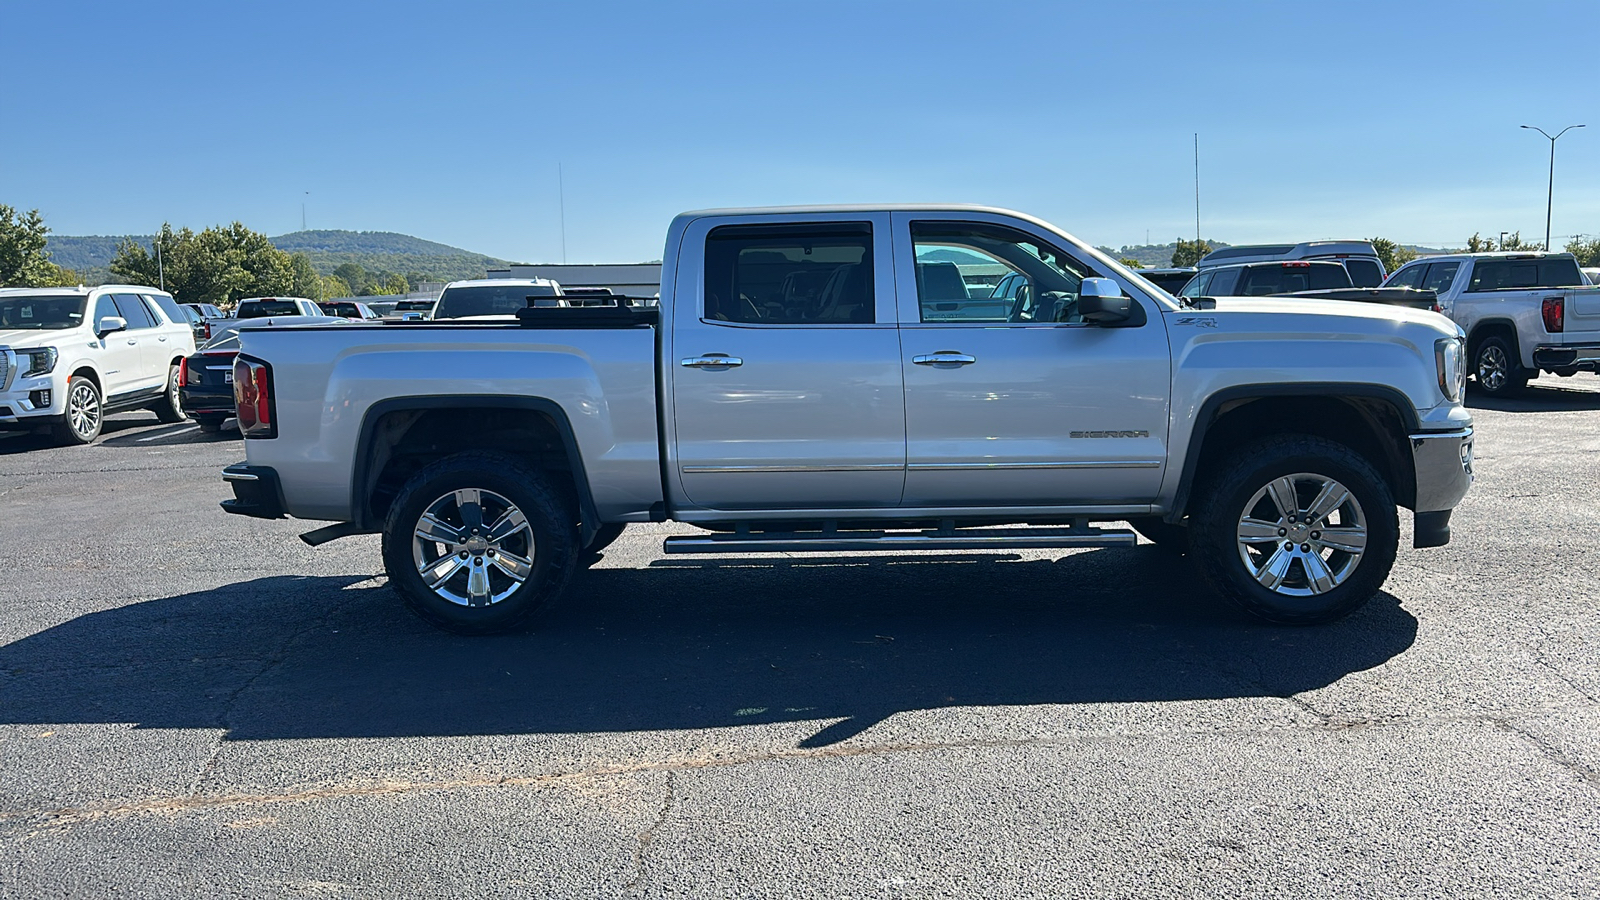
<point>83,410</point>
<point>1493,369</point>
<point>473,547</point>
<point>1302,535</point>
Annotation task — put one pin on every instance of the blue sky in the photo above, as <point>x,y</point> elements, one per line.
<point>448,121</point>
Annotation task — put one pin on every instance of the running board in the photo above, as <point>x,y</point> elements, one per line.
<point>949,539</point>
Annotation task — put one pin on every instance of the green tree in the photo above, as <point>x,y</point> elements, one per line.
<point>353,275</point>
<point>1131,263</point>
<point>307,283</point>
<point>396,284</point>
<point>1587,252</point>
<point>1477,244</point>
<point>24,262</point>
<point>218,265</point>
<point>1189,252</point>
<point>334,287</point>
<point>1392,255</point>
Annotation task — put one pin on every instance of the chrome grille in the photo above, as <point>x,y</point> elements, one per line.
<point>5,367</point>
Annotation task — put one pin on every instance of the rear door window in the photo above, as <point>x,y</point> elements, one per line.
<point>1440,276</point>
<point>131,309</point>
<point>792,275</point>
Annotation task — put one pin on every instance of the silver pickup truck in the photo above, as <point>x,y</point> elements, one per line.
<point>1522,313</point>
<point>844,379</point>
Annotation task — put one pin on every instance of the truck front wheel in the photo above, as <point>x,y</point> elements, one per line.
<point>479,542</point>
<point>1298,530</point>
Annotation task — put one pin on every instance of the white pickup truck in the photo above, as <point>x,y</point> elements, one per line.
<point>843,379</point>
<point>1522,313</point>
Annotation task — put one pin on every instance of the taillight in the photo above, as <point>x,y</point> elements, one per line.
<point>1554,311</point>
<point>1297,265</point>
<point>183,371</point>
<point>252,398</point>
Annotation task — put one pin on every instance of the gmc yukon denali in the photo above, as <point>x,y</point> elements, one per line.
<point>844,379</point>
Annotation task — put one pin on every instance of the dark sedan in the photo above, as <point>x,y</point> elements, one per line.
<point>205,382</point>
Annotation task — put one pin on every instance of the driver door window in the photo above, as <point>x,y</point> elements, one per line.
<point>988,274</point>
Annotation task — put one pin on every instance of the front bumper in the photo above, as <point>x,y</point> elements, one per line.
<point>256,492</point>
<point>28,402</point>
<point>1442,461</point>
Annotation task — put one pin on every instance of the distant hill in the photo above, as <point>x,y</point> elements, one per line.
<point>375,251</point>
<point>387,251</point>
<point>1152,256</point>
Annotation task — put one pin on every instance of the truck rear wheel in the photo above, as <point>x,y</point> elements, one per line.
<point>479,542</point>
<point>1298,530</point>
<point>1497,369</point>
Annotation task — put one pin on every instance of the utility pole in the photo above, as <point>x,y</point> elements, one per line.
<point>1550,194</point>
<point>303,212</point>
<point>1197,190</point>
<point>161,269</point>
<point>561,194</point>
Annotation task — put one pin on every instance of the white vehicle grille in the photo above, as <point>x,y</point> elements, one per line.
<point>5,368</point>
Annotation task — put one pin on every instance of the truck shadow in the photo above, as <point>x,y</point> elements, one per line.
<point>682,646</point>
<point>1542,396</point>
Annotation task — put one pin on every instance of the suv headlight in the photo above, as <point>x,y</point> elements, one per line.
<point>1450,357</point>
<point>41,361</point>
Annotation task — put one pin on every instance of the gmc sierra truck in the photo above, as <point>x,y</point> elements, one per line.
<point>1523,313</point>
<point>823,379</point>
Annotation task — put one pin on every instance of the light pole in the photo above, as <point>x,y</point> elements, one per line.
<point>1551,195</point>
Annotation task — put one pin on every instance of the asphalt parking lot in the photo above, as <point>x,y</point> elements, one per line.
<point>195,702</point>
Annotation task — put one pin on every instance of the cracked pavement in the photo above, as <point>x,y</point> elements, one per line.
<point>197,704</point>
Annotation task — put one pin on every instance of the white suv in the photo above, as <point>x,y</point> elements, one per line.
<point>69,356</point>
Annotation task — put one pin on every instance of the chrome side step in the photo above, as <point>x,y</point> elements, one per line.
<point>944,539</point>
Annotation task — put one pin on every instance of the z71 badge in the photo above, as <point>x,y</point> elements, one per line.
<point>1196,321</point>
<point>1110,434</point>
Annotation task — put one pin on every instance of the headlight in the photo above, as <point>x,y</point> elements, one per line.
<point>36,362</point>
<point>1450,356</point>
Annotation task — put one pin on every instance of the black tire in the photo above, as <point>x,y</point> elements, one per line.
<point>210,424</point>
<point>1163,534</point>
<point>170,409</point>
<point>551,543</point>
<point>1217,523</point>
<point>93,410</point>
<point>1496,368</point>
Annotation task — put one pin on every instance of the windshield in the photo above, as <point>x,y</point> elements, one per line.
<point>489,300</point>
<point>42,313</point>
<point>257,309</point>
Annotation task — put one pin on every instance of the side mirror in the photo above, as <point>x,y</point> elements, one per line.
<point>109,324</point>
<point>1101,302</point>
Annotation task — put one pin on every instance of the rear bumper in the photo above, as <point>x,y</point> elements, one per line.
<point>256,492</point>
<point>207,400</point>
<point>1567,356</point>
<point>1443,464</point>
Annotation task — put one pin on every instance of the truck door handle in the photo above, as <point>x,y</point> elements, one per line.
<point>132,342</point>
<point>944,358</point>
<point>714,361</point>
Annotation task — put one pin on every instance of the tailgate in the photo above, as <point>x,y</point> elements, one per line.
<point>1582,316</point>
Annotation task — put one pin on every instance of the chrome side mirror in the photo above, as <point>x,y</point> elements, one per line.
<point>109,324</point>
<point>1101,302</point>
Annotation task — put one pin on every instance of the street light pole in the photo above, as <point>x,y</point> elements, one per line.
<point>1550,195</point>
